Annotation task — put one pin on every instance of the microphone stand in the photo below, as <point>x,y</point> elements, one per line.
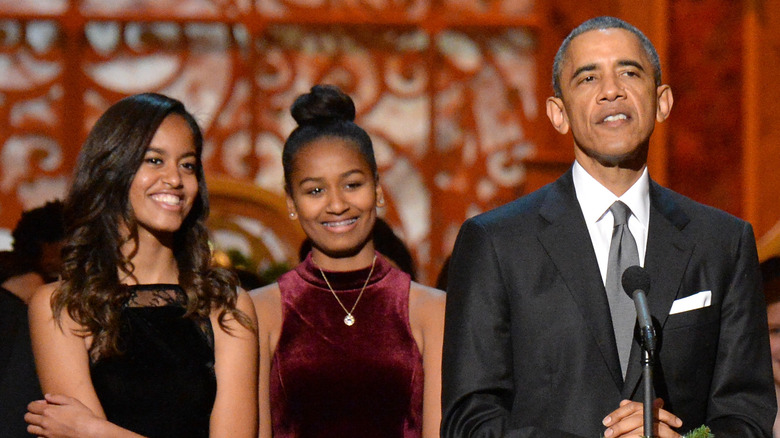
<point>636,282</point>
<point>647,376</point>
<point>648,347</point>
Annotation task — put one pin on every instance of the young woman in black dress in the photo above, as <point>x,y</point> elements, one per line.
<point>142,336</point>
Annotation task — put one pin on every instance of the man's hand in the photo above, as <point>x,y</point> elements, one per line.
<point>628,421</point>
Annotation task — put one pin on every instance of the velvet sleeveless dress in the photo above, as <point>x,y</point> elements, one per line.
<point>162,384</point>
<point>333,380</point>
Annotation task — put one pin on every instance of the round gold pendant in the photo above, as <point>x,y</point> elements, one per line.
<point>349,319</point>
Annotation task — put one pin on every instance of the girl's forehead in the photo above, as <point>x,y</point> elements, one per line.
<point>329,147</point>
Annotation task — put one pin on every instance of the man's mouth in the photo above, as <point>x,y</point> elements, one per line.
<point>615,118</point>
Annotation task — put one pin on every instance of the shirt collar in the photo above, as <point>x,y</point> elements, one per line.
<point>595,199</point>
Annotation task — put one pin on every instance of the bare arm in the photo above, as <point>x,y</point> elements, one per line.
<point>426,317</point>
<point>268,305</point>
<point>235,354</point>
<point>62,362</point>
<point>61,356</point>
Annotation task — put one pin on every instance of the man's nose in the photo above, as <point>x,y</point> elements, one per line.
<point>611,88</point>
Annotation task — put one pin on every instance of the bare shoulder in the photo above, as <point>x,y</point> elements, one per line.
<point>428,298</point>
<point>266,297</point>
<point>43,293</point>
<point>426,305</point>
<point>244,303</point>
<point>426,319</point>
<point>267,301</point>
<point>230,323</point>
<point>39,305</point>
<point>43,322</point>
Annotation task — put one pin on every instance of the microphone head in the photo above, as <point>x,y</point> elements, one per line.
<point>635,278</point>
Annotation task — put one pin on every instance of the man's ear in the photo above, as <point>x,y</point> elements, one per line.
<point>557,114</point>
<point>665,102</point>
<point>291,211</point>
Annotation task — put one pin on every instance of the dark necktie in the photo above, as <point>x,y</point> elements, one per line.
<point>622,254</point>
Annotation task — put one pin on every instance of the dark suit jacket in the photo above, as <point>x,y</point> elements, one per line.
<point>529,348</point>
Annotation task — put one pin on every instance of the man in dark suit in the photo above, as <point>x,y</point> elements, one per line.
<point>530,347</point>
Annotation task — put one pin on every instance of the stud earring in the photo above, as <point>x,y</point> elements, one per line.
<point>380,202</point>
<point>292,215</point>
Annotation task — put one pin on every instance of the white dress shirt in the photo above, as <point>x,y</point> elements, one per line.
<point>595,200</point>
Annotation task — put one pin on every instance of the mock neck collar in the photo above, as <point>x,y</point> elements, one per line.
<point>343,280</point>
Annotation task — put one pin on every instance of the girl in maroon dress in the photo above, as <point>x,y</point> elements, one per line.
<point>349,345</point>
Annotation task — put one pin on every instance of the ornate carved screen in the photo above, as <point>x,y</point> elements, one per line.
<point>451,92</point>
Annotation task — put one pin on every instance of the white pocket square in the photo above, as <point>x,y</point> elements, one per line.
<point>693,302</point>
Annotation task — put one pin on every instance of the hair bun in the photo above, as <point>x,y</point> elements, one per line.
<point>323,104</point>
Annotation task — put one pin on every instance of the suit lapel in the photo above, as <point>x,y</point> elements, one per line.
<point>568,244</point>
<point>666,259</point>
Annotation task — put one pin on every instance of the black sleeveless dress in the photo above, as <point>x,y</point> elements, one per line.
<point>162,384</point>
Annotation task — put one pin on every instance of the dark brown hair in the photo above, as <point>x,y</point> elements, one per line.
<point>325,111</point>
<point>97,208</point>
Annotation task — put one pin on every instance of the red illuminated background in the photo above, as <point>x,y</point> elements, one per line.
<point>451,91</point>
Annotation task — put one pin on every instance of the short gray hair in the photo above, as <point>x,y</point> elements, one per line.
<point>601,23</point>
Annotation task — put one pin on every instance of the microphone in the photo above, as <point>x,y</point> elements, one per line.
<point>636,283</point>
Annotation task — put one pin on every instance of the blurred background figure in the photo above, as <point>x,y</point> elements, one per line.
<point>770,271</point>
<point>34,260</point>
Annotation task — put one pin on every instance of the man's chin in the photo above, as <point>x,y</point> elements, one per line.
<point>635,159</point>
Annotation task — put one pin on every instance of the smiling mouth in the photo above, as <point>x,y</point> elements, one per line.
<point>343,223</point>
<point>168,199</point>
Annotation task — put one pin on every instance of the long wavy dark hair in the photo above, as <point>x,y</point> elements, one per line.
<point>96,211</point>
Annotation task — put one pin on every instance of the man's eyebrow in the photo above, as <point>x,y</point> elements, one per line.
<point>630,63</point>
<point>584,68</point>
<point>622,63</point>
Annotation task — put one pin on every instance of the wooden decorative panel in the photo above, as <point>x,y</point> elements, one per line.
<point>33,159</point>
<point>449,91</point>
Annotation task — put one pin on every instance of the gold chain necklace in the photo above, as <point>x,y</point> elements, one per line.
<point>349,319</point>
